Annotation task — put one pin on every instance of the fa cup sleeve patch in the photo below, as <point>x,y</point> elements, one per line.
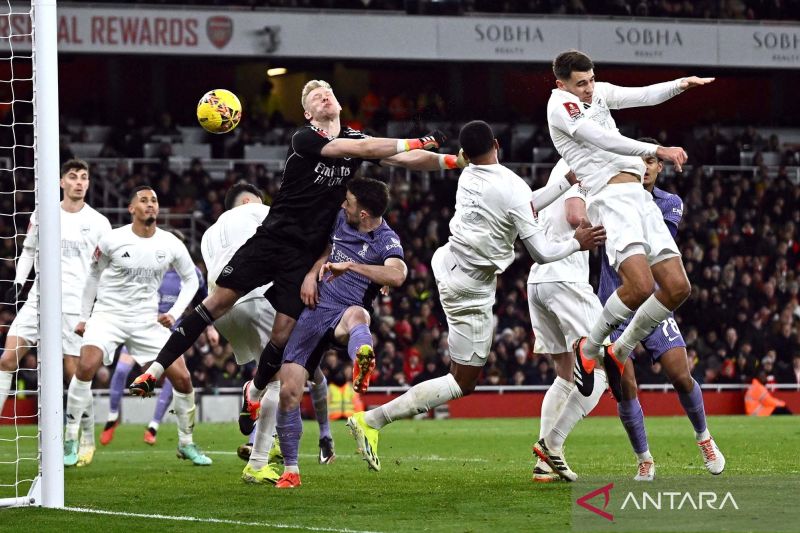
<point>572,110</point>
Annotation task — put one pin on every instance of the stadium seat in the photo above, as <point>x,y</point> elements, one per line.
<point>97,134</point>
<point>191,150</point>
<point>195,135</point>
<point>84,150</point>
<point>260,151</point>
<point>542,155</point>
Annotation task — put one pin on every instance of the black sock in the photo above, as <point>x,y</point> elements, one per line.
<point>268,365</point>
<point>184,335</point>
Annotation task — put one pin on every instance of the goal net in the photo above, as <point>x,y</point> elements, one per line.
<point>31,466</point>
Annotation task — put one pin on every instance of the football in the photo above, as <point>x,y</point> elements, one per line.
<point>219,111</point>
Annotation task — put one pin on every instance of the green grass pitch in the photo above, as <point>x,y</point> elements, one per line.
<point>448,475</point>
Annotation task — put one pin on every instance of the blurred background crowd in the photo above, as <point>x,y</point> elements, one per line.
<point>738,235</point>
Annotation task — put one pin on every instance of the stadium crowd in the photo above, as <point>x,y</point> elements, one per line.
<point>738,239</point>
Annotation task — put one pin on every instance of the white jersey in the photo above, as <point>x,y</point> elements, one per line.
<point>231,230</point>
<point>594,166</point>
<point>127,272</point>
<point>80,233</point>
<point>493,208</point>
<point>553,219</point>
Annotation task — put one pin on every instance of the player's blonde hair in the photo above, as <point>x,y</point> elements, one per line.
<point>310,86</point>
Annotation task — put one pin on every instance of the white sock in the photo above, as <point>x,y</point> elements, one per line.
<point>185,410</point>
<point>5,386</point>
<point>155,369</point>
<point>418,399</point>
<point>647,318</point>
<point>553,403</point>
<point>700,437</point>
<point>644,456</point>
<point>79,396</point>
<point>575,407</point>
<point>154,425</point>
<point>614,313</point>
<point>265,428</point>
<point>113,416</point>
<point>255,394</point>
<point>87,423</point>
<point>291,468</point>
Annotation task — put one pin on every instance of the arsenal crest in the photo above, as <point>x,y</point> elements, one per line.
<point>219,30</point>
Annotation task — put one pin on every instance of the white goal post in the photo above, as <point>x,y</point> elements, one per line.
<point>47,488</point>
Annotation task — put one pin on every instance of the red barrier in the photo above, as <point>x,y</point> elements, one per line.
<point>26,407</point>
<point>528,404</point>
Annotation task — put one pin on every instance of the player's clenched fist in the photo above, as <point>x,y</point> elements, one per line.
<point>676,154</point>
<point>431,141</point>
<point>588,236</point>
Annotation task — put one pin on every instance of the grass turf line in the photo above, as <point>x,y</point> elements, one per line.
<point>452,475</point>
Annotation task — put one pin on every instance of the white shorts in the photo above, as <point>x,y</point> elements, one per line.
<point>561,313</point>
<point>143,339</point>
<point>634,224</point>
<point>26,326</point>
<point>247,326</point>
<point>467,303</point>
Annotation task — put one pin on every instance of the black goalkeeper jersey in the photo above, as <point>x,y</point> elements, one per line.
<point>312,190</point>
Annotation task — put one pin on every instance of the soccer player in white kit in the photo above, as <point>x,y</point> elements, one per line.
<point>610,168</point>
<point>128,266</point>
<point>247,327</point>
<point>493,208</point>
<point>563,307</point>
<point>81,229</point>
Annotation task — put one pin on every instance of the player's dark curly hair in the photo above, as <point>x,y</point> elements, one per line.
<point>476,138</point>
<point>650,140</point>
<point>571,61</point>
<point>372,195</point>
<point>74,164</point>
<point>237,190</point>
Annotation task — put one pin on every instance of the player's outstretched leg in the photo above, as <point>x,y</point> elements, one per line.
<point>420,398</point>
<point>366,440</point>
<point>259,468</point>
<point>319,399</point>
<point>116,388</point>
<point>162,404</point>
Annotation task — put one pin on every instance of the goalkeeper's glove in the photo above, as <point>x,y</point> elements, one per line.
<point>448,161</point>
<point>431,141</point>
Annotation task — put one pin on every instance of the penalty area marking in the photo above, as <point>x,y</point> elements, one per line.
<point>209,520</point>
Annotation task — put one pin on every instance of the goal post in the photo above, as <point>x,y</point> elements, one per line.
<point>46,168</point>
<point>47,486</point>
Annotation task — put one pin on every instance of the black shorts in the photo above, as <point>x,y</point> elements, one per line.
<point>263,259</point>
